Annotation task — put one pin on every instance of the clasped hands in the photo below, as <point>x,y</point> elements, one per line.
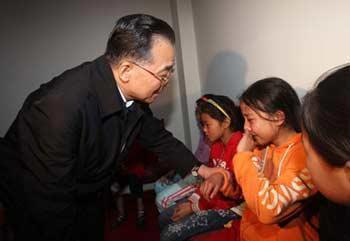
<point>213,181</point>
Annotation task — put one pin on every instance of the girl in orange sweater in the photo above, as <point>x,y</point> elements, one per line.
<point>270,165</point>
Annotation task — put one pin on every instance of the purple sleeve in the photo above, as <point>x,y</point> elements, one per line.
<point>203,150</point>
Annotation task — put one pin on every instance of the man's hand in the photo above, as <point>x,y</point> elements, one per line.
<point>211,186</point>
<point>247,143</point>
<point>205,171</point>
<point>181,211</point>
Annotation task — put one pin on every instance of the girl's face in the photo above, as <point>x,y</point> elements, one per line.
<point>332,182</point>
<point>212,128</point>
<point>259,125</point>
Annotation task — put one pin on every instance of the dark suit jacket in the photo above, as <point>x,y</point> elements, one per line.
<point>70,134</point>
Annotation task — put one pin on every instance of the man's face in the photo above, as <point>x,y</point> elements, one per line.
<point>148,79</point>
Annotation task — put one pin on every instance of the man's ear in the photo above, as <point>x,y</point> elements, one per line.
<point>279,117</point>
<point>124,71</point>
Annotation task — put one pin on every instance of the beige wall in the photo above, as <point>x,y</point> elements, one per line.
<point>241,41</point>
<point>223,46</point>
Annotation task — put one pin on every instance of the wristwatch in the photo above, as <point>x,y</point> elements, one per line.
<point>194,171</point>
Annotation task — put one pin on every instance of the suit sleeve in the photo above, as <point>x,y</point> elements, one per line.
<point>171,152</point>
<point>46,135</point>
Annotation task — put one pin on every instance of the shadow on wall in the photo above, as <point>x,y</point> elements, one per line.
<point>163,107</point>
<point>226,75</point>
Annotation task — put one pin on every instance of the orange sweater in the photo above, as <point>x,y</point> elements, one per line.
<point>274,182</point>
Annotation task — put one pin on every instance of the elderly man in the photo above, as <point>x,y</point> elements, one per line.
<point>60,153</point>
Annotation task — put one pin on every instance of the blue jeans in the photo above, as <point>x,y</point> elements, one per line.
<point>196,223</point>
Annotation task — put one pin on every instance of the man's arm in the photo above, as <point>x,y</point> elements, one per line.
<point>172,153</point>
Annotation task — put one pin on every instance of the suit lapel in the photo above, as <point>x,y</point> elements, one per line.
<point>133,116</point>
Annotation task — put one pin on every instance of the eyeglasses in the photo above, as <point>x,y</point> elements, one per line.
<point>163,80</point>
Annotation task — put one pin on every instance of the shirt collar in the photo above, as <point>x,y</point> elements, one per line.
<point>128,103</point>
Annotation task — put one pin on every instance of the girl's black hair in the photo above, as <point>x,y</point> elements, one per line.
<point>228,105</point>
<point>326,116</point>
<point>271,95</point>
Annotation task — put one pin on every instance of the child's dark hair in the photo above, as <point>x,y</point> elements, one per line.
<point>271,95</point>
<point>326,116</point>
<point>207,105</point>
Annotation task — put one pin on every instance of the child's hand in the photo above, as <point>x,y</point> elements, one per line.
<point>181,211</point>
<point>211,186</point>
<point>247,143</point>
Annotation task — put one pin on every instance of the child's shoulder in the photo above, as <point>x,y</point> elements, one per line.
<point>297,155</point>
<point>297,145</point>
